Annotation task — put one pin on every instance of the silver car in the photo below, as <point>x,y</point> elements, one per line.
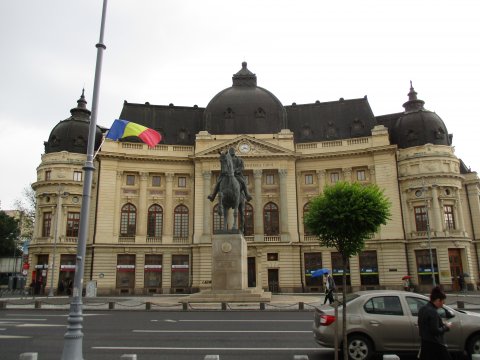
<point>387,321</point>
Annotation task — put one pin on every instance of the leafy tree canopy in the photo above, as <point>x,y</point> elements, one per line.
<point>346,214</point>
<point>9,232</point>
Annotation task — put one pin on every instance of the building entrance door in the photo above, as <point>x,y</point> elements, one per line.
<point>273,280</point>
<point>456,269</point>
<point>252,275</point>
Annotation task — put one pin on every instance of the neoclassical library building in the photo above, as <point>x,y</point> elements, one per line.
<point>151,224</point>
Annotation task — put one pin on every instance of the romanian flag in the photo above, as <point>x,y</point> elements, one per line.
<point>123,128</point>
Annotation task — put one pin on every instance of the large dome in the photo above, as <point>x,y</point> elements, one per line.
<point>245,108</point>
<point>418,126</point>
<point>72,134</point>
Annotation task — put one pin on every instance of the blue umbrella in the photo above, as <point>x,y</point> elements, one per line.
<point>320,272</point>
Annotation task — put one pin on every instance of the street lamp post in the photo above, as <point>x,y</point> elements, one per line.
<point>73,338</point>
<point>424,190</point>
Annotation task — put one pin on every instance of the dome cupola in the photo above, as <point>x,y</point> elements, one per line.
<point>244,108</point>
<point>72,134</point>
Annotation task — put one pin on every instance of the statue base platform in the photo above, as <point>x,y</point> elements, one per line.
<point>244,295</point>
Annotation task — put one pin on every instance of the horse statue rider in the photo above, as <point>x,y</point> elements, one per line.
<point>231,188</point>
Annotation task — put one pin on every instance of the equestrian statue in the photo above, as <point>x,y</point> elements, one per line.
<point>231,189</point>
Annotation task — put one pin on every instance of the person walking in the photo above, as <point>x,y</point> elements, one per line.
<point>329,288</point>
<point>431,328</point>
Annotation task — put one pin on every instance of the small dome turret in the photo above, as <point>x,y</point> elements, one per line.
<point>418,126</point>
<point>72,134</point>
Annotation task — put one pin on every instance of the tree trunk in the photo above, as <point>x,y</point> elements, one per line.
<point>344,312</point>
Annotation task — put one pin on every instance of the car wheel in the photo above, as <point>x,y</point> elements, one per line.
<point>359,347</point>
<point>474,345</point>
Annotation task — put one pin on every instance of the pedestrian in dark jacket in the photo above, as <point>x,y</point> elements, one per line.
<point>329,288</point>
<point>431,328</point>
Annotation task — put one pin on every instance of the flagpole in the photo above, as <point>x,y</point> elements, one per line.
<point>103,142</point>
<point>73,338</point>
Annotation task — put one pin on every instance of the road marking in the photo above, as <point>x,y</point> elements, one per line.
<point>223,331</point>
<point>14,337</point>
<point>316,349</point>
<point>308,321</point>
<point>8,320</point>
<point>40,325</point>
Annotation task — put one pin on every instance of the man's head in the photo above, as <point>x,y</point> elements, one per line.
<point>437,297</point>
<point>231,151</point>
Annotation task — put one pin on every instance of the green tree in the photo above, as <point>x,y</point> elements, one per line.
<point>9,232</point>
<point>343,217</point>
<point>26,209</point>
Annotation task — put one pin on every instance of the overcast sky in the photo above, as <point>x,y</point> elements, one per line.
<point>185,52</point>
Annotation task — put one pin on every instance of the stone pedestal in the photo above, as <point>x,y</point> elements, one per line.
<point>229,262</point>
<point>229,273</point>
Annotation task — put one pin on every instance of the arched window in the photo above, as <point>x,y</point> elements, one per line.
<point>270,219</point>
<point>128,222</point>
<point>248,229</point>
<point>155,221</point>
<point>180,222</point>
<point>306,230</point>
<point>217,220</point>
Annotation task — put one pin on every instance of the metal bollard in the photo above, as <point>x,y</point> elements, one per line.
<point>185,306</point>
<point>211,357</point>
<point>391,357</point>
<point>29,356</point>
<point>148,305</point>
<point>3,305</point>
<point>300,305</point>
<point>129,357</point>
<point>262,306</point>
<point>38,304</point>
<point>111,305</point>
<point>224,306</point>
<point>460,305</point>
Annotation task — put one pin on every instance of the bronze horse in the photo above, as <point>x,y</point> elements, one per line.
<point>230,195</point>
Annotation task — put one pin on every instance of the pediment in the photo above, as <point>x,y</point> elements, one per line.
<point>246,146</point>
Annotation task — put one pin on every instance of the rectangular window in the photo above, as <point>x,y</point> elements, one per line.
<point>337,269</point>
<point>334,177</point>
<point>180,271</point>
<point>47,224</point>
<point>156,180</point>
<point>361,176</point>
<point>272,256</point>
<point>368,268</point>
<point>48,175</point>
<point>130,180</point>
<point>182,181</point>
<point>449,218</point>
<point>424,266</point>
<point>77,176</point>
<point>153,271</point>
<point>308,179</point>
<point>125,271</point>
<point>269,179</point>
<point>313,261</point>
<point>73,224</point>
<point>420,218</point>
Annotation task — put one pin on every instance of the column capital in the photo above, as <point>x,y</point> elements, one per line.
<point>283,173</point>
<point>169,176</point>
<point>321,173</point>
<point>119,174</point>
<point>207,175</point>
<point>257,174</point>
<point>371,168</point>
<point>144,175</point>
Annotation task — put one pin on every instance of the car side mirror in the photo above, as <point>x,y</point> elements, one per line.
<point>445,313</point>
<point>449,313</point>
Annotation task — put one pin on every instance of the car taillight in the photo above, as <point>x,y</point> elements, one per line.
<point>326,320</point>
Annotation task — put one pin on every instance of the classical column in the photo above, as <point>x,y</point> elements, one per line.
<point>207,213</point>
<point>142,205</point>
<point>258,210</point>
<point>459,208</point>
<point>168,227</point>
<point>321,180</point>
<point>437,224</point>
<point>283,201</point>
<point>116,205</point>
